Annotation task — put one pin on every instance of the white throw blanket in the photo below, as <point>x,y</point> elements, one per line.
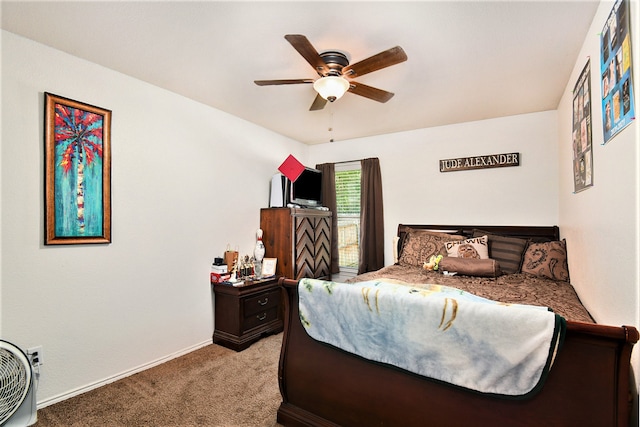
<point>438,332</point>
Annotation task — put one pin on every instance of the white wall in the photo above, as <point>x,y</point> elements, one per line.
<point>416,192</point>
<point>186,180</point>
<point>601,224</point>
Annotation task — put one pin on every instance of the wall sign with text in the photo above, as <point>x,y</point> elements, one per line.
<point>480,162</point>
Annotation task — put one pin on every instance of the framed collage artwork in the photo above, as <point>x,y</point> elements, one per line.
<point>582,138</point>
<point>615,70</point>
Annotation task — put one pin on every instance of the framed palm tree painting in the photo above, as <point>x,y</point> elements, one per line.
<point>77,172</point>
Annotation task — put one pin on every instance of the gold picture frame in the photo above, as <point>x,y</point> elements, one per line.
<point>269,266</point>
<point>77,169</point>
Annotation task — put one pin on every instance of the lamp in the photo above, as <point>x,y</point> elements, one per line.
<point>331,87</point>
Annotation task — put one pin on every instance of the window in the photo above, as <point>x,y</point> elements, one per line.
<point>348,213</point>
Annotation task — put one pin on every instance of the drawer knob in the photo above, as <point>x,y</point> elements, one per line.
<point>261,317</point>
<point>264,301</point>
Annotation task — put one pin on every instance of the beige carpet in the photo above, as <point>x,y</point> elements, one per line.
<point>213,386</point>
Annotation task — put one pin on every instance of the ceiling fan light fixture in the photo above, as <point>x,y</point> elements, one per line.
<point>331,87</point>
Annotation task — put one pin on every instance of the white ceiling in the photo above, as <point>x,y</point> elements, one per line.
<point>467,61</point>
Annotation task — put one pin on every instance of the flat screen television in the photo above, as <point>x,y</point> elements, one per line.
<point>307,189</point>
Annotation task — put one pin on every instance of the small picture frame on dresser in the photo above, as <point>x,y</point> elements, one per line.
<point>269,266</point>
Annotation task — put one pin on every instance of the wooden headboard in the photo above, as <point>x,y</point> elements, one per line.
<point>534,233</point>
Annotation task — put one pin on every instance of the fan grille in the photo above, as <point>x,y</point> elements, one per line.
<point>14,382</point>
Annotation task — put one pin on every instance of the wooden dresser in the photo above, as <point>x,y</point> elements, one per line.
<point>244,314</point>
<point>300,239</point>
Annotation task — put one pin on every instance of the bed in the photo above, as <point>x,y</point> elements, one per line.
<point>589,384</point>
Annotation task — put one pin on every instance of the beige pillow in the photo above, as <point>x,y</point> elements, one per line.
<point>475,247</point>
<point>547,259</point>
<point>419,245</point>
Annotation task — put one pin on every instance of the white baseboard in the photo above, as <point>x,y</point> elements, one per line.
<point>80,390</point>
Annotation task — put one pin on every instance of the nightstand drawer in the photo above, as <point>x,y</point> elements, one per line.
<point>261,302</point>
<point>260,318</point>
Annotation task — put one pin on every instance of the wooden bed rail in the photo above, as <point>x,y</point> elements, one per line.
<point>535,233</point>
<point>288,282</point>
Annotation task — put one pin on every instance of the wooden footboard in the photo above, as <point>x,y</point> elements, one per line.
<point>324,386</point>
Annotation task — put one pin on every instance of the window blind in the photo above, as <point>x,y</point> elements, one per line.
<point>348,213</point>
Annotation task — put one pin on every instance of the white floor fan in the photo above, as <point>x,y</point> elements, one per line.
<point>18,384</point>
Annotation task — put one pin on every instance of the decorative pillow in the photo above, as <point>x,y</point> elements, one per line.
<point>419,245</point>
<point>475,247</point>
<point>508,251</point>
<point>471,266</point>
<point>547,259</point>
<point>450,235</point>
<point>436,233</point>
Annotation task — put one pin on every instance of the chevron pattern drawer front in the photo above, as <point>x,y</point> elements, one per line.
<point>313,249</point>
<point>300,239</point>
<point>305,247</point>
<point>323,247</point>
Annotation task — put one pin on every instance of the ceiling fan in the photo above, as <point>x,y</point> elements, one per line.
<point>336,74</point>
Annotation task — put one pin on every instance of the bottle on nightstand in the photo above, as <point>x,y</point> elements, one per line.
<point>258,253</point>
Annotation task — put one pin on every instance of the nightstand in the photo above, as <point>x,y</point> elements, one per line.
<point>244,314</point>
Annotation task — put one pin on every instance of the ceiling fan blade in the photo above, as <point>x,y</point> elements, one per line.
<point>318,103</point>
<point>389,57</point>
<point>308,52</point>
<point>370,92</point>
<point>282,82</point>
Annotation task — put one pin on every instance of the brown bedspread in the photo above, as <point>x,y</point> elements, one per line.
<point>509,288</point>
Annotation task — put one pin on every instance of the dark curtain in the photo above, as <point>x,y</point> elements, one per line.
<point>329,201</point>
<point>371,217</point>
